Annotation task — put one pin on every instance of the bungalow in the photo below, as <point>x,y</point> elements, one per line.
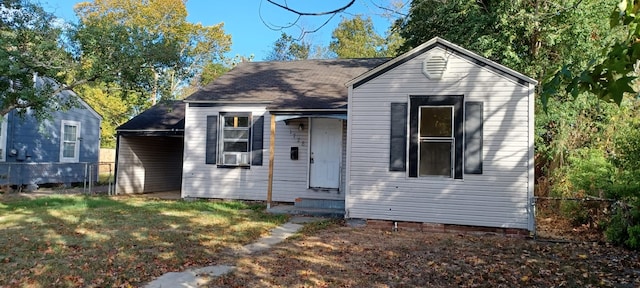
<point>64,148</point>
<point>436,135</point>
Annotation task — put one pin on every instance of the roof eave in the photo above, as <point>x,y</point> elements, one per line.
<point>227,101</point>
<point>299,110</point>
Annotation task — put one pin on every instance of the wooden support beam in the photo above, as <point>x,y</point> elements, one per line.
<point>272,152</point>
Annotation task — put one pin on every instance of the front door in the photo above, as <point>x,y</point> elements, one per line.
<point>326,153</point>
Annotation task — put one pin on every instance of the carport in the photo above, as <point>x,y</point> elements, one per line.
<point>149,150</point>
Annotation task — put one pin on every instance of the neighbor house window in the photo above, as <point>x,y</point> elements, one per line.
<point>234,139</point>
<point>70,141</point>
<point>436,141</point>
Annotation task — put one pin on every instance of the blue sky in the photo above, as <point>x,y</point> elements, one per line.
<point>242,19</point>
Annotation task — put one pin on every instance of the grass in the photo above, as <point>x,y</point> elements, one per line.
<point>329,255</point>
<point>71,241</point>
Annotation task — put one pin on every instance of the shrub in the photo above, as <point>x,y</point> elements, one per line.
<point>624,226</point>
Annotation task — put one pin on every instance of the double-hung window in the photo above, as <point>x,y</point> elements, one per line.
<point>436,141</point>
<point>235,139</point>
<point>443,133</point>
<point>70,141</point>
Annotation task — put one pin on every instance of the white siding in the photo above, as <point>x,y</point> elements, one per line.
<point>203,180</point>
<point>149,164</point>
<point>290,178</point>
<point>498,198</point>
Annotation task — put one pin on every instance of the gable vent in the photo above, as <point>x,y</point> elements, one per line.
<point>434,67</point>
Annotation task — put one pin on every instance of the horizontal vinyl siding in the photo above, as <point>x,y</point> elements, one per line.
<point>496,198</point>
<point>149,164</point>
<point>203,180</point>
<point>290,176</point>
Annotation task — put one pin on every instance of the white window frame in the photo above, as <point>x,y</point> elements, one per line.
<point>437,139</point>
<point>77,143</point>
<point>3,139</point>
<point>241,158</point>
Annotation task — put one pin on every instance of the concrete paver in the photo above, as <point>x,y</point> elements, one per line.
<point>201,276</point>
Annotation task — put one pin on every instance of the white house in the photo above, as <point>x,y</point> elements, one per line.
<point>438,135</point>
<point>441,135</point>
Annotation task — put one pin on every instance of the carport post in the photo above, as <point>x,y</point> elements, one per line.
<point>272,152</point>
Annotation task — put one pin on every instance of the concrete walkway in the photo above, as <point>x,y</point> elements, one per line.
<point>200,276</point>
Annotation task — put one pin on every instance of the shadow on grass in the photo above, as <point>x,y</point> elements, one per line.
<point>70,241</point>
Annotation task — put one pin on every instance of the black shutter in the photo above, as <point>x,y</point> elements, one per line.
<point>257,140</point>
<point>212,139</point>
<point>473,138</point>
<point>398,144</point>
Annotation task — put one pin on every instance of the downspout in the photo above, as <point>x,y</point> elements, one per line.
<point>272,152</point>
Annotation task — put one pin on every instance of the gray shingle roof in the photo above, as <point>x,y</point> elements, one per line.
<point>304,84</point>
<point>164,116</point>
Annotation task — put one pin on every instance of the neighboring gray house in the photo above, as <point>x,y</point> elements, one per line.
<point>149,150</point>
<point>438,135</point>
<point>62,149</point>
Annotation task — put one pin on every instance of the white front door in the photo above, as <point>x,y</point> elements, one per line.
<point>326,153</point>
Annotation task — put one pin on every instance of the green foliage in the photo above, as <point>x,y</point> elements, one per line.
<point>532,37</point>
<point>590,170</point>
<point>587,173</point>
<point>121,53</point>
<point>624,226</point>
<point>286,48</point>
<point>211,71</point>
<point>29,45</point>
<point>356,38</point>
<point>611,73</point>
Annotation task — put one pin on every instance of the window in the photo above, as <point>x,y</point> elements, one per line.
<point>436,141</point>
<point>70,141</point>
<point>234,139</point>
<point>443,134</point>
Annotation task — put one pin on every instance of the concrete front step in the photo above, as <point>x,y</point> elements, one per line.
<point>319,203</point>
<point>316,212</point>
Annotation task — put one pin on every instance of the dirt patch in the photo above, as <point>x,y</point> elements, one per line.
<point>364,257</point>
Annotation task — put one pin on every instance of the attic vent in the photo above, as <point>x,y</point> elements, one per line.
<point>434,67</point>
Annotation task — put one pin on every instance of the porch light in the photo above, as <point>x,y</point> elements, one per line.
<point>301,127</point>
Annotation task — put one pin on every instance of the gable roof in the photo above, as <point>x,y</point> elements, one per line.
<point>449,47</point>
<point>293,85</point>
<point>164,116</point>
<point>65,93</point>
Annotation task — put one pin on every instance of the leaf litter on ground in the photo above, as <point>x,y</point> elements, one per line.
<point>366,257</point>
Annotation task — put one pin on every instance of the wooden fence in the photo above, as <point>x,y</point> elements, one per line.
<point>107,160</point>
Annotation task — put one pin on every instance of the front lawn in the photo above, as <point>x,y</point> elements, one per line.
<point>70,241</point>
<point>365,257</point>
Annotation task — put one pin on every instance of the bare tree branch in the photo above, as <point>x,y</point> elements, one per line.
<point>391,11</point>
<point>335,11</point>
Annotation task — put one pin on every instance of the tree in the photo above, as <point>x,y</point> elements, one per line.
<point>29,46</point>
<point>288,49</point>
<point>612,73</point>
<point>192,46</point>
<point>110,104</point>
<point>533,37</point>
<point>356,38</point>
